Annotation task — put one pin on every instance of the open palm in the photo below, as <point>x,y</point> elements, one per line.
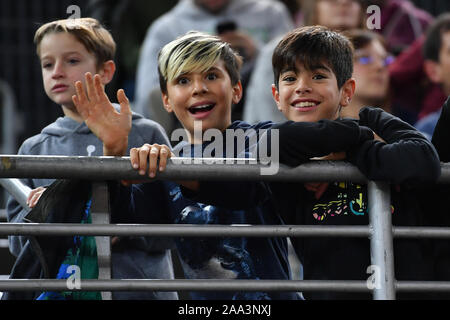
<point>110,126</point>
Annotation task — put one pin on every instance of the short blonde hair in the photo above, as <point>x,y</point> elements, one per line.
<point>196,51</point>
<point>95,38</point>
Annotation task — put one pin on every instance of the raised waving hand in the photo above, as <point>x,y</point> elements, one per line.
<point>110,126</point>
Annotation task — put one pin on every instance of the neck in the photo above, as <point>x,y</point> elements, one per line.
<point>72,113</point>
<point>352,110</point>
<point>196,135</point>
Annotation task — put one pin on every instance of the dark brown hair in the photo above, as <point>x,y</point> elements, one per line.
<point>314,46</point>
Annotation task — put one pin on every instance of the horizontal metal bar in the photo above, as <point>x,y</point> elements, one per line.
<point>215,285</point>
<point>421,232</point>
<point>187,230</point>
<point>423,286</point>
<point>104,168</point>
<point>162,230</point>
<point>185,285</point>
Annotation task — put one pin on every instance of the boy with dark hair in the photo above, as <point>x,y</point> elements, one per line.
<point>312,65</point>
<point>67,49</point>
<point>199,77</point>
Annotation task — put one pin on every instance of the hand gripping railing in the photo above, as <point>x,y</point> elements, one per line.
<point>380,229</point>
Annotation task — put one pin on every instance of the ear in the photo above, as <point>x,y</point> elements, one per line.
<point>347,92</point>
<point>276,96</point>
<point>106,71</point>
<point>166,102</point>
<point>433,71</point>
<point>237,92</point>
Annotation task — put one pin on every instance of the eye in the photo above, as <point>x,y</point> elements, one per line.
<point>73,61</point>
<point>46,65</point>
<point>182,80</point>
<point>211,76</point>
<point>289,78</point>
<point>365,60</point>
<point>319,77</point>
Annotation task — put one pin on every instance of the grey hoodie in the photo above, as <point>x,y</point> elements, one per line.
<point>138,257</point>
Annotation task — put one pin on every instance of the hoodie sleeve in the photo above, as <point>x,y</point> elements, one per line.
<point>298,142</point>
<point>441,134</point>
<point>15,213</point>
<point>407,156</point>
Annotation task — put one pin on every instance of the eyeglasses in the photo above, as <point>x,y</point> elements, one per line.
<point>368,59</point>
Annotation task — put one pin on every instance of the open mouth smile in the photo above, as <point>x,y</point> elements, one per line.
<point>201,111</point>
<point>305,105</point>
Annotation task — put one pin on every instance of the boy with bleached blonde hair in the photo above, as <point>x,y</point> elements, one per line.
<point>199,83</point>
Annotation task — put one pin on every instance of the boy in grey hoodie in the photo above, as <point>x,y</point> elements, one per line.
<point>68,49</point>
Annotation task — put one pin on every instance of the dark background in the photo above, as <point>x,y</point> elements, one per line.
<point>19,64</point>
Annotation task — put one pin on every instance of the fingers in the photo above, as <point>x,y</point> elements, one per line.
<point>123,101</point>
<point>90,88</point>
<point>153,160</point>
<point>164,154</point>
<point>80,100</point>
<point>152,154</point>
<point>99,89</point>
<point>34,196</point>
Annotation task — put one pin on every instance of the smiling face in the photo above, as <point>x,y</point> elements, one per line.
<point>204,96</point>
<point>305,95</point>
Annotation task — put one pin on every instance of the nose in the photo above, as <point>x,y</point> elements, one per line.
<point>58,70</point>
<point>378,63</point>
<point>303,86</point>
<point>199,86</point>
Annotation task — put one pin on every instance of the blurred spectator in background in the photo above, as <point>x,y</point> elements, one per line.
<point>403,26</point>
<point>401,23</point>
<point>248,24</point>
<point>334,14</point>
<point>128,21</point>
<point>370,71</point>
<point>436,51</point>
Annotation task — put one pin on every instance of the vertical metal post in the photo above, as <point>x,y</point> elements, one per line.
<point>8,125</point>
<point>381,241</point>
<point>100,215</point>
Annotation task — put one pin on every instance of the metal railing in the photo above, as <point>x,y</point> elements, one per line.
<point>380,230</point>
<point>8,116</point>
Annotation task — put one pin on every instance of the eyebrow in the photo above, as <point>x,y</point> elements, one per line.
<point>312,68</point>
<point>64,54</point>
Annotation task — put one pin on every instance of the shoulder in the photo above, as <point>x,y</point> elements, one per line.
<point>32,144</point>
<point>146,130</point>
<point>373,115</point>
<point>238,124</point>
<point>268,6</point>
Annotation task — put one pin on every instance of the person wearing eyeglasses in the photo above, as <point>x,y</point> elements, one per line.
<point>371,61</point>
